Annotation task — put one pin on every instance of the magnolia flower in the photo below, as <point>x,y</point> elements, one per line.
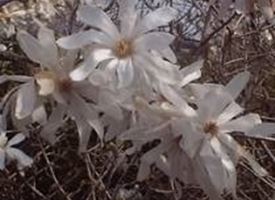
<point>8,152</point>
<point>53,81</point>
<point>129,54</point>
<point>198,140</point>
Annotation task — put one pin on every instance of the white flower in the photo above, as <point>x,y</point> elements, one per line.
<point>8,152</point>
<point>54,82</point>
<point>129,54</point>
<point>198,140</point>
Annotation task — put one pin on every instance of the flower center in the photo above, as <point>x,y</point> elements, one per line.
<point>211,128</point>
<point>123,48</point>
<point>65,84</point>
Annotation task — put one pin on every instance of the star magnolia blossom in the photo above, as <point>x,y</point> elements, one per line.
<point>196,146</point>
<point>8,152</point>
<point>53,81</point>
<point>131,54</point>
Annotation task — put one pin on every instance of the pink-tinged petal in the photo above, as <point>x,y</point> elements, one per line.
<point>125,73</point>
<point>153,41</point>
<point>81,39</point>
<point>230,111</point>
<point>153,20</point>
<point>191,73</point>
<point>95,17</point>
<point>16,139</point>
<point>55,121</point>
<point>241,124</point>
<point>22,159</point>
<point>26,100</point>
<point>47,40</point>
<point>237,84</point>
<point>265,129</point>
<point>89,64</point>
<point>2,159</point>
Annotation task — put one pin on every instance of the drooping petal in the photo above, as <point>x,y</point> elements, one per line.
<point>86,112</point>
<point>230,111</point>
<point>237,84</point>
<point>84,131</point>
<point>81,39</point>
<point>95,17</point>
<point>125,73</point>
<point>18,78</point>
<point>227,164</point>
<point>159,17</point>
<point>153,41</point>
<point>55,121</point>
<point>84,70</point>
<point>47,40</point>
<point>2,159</point>
<point>241,152</point>
<point>23,160</point>
<point>265,129</point>
<point>241,124</point>
<point>26,100</point>
<point>16,139</point>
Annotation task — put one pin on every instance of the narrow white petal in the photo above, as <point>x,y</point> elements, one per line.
<point>241,124</point>
<point>171,95</point>
<point>86,112</point>
<point>85,68</point>
<point>47,40</point>
<point>191,73</point>
<point>237,84</point>
<point>55,121</point>
<point>23,160</point>
<point>18,78</point>
<point>81,39</point>
<point>128,17</point>
<point>34,50</point>
<point>213,104</point>
<point>84,131</point>
<point>2,159</point>
<point>125,73</point>
<point>169,54</point>
<point>159,17</point>
<point>154,41</point>
<point>16,139</point>
<point>26,100</point>
<point>265,129</point>
<point>95,17</point>
<point>230,111</point>
<point>39,115</point>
